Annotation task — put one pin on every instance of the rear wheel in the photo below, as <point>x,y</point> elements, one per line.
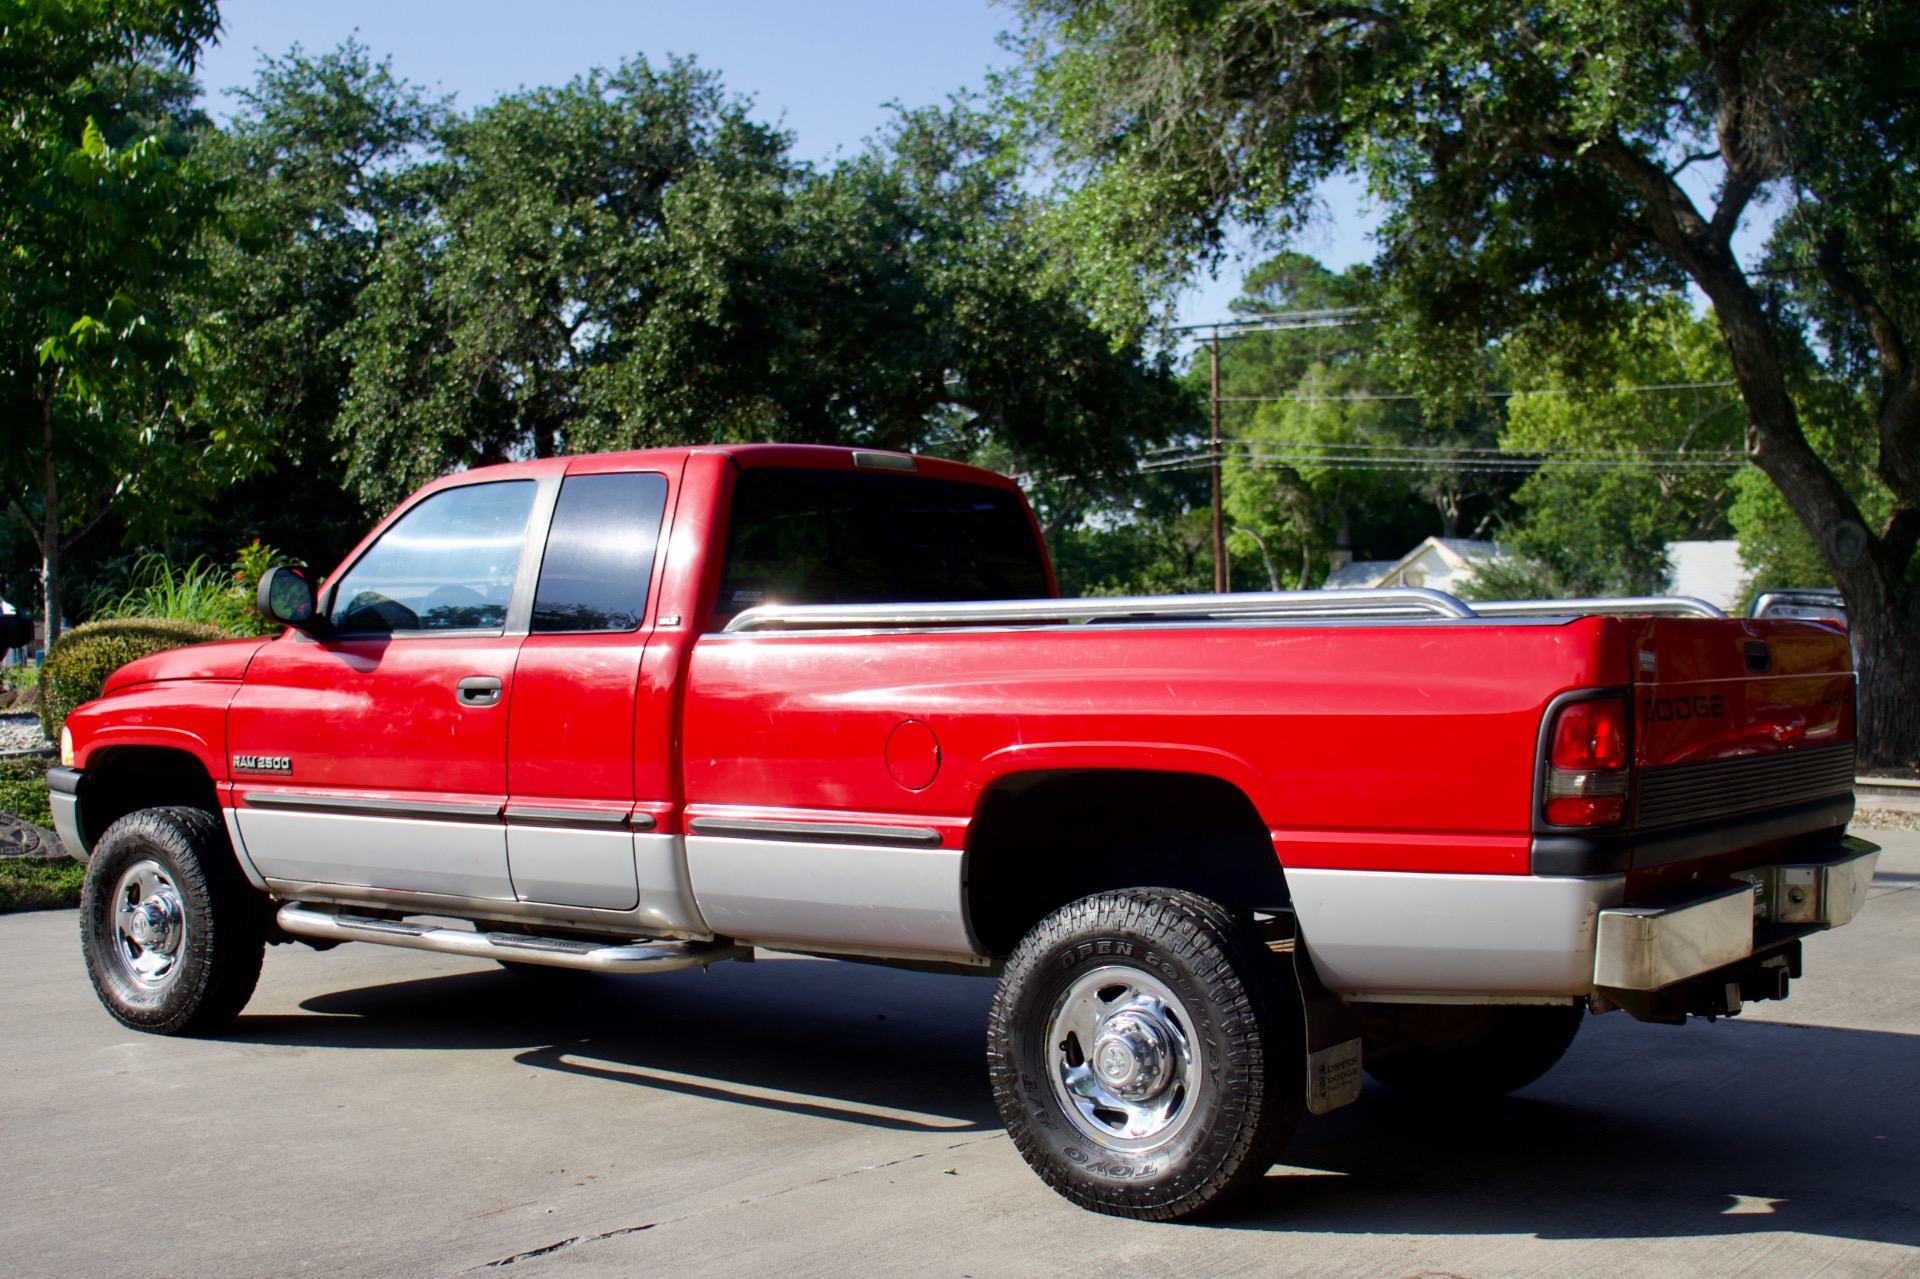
<point>1146,1053</point>
<point>171,932</point>
<point>1457,1051</point>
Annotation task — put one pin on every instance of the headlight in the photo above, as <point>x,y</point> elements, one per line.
<point>66,747</point>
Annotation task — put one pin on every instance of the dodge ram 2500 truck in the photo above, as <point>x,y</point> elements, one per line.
<point>646,711</point>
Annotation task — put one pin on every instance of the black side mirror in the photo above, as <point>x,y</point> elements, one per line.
<point>286,596</point>
<point>16,631</point>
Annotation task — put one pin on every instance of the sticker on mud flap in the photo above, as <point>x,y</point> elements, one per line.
<point>1333,1077</point>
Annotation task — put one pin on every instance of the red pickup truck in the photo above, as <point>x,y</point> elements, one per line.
<point>646,711</point>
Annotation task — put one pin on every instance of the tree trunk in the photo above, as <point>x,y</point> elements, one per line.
<point>1888,710</point>
<point>50,534</point>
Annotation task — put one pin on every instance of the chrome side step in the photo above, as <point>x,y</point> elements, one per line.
<point>557,952</point>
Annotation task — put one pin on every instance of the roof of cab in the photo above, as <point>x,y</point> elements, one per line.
<point>746,456</point>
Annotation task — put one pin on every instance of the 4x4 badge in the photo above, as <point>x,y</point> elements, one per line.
<point>262,764</point>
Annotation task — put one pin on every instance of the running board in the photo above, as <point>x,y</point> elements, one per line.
<point>556,952</point>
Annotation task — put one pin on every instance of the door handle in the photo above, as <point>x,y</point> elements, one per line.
<point>478,690</point>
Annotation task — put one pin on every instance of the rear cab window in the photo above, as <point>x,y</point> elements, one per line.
<point>599,555</point>
<point>807,536</point>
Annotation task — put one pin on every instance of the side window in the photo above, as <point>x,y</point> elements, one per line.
<point>600,553</point>
<point>446,565</point>
<point>835,537</point>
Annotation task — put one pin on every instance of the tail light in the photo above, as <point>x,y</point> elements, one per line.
<point>1587,764</point>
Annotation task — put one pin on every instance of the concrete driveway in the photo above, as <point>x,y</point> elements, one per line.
<point>381,1112</point>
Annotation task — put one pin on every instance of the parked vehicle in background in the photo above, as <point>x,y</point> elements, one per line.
<point>647,711</point>
<point>1813,601</point>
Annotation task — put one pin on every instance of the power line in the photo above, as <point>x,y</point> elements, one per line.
<point>1275,462</point>
<point>1451,449</point>
<point>1367,396</point>
<point>1276,321</point>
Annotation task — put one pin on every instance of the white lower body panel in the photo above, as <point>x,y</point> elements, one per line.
<point>1387,935</point>
<point>400,854</point>
<point>847,898</point>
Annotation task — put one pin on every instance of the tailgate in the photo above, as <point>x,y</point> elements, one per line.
<point>1743,734</point>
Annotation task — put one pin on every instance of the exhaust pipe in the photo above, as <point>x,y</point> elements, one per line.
<point>557,952</point>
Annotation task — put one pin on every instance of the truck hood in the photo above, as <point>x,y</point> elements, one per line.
<point>223,659</point>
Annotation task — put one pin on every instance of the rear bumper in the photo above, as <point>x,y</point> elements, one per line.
<point>1646,947</point>
<point>1429,938</point>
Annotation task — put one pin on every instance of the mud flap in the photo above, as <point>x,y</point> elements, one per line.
<point>1333,1026</point>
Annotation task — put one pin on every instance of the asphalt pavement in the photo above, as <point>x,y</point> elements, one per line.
<point>381,1112</point>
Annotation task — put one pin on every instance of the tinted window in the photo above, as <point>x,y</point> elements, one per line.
<point>839,537</point>
<point>600,553</point>
<point>447,564</point>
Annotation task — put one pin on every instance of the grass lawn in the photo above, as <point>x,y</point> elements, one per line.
<point>36,883</point>
<point>23,790</point>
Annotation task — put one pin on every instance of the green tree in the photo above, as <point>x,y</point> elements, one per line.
<point>1647,456</point>
<point>630,261</point>
<point>97,220</point>
<point>315,176</point>
<point>1537,166</point>
<point>1330,453</point>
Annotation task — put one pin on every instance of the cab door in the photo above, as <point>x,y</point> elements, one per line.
<point>377,757</point>
<point>588,752</point>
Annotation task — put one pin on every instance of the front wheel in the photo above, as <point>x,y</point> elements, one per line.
<point>172,934</point>
<point>1146,1053</point>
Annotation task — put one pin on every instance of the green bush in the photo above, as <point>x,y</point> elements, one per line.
<point>77,667</point>
<point>200,591</point>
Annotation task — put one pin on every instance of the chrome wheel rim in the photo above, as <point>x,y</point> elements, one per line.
<point>149,926</point>
<point>1123,1059</point>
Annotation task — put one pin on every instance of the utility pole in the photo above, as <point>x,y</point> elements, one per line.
<point>1220,578</point>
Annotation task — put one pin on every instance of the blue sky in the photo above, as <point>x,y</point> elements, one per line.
<point>825,69</point>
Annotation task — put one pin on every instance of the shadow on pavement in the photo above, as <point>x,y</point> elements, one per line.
<point>841,1041</point>
<point>1741,1127</point>
<point>1642,1132</point>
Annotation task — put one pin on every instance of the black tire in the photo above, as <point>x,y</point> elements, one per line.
<point>171,931</point>
<point>1466,1052</point>
<point>1144,973</point>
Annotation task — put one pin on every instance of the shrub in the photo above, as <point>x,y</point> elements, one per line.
<point>77,667</point>
<point>199,592</point>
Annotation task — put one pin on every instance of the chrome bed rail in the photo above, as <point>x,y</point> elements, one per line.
<point>1390,602</point>
<point>1402,603</point>
<point>1625,606</point>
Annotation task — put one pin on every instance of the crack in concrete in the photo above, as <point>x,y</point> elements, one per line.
<point>568,1243</point>
<point>736,1203</point>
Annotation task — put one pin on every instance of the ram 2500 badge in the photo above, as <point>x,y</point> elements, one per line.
<point>645,711</point>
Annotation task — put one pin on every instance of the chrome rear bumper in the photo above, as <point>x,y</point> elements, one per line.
<point>1648,947</point>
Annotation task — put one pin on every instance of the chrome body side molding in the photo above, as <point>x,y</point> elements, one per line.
<point>432,810</point>
<point>817,832</point>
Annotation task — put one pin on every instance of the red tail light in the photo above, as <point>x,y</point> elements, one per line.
<point>1590,735</point>
<point>1587,764</point>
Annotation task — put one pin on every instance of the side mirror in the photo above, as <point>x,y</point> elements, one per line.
<point>286,596</point>
<point>16,631</point>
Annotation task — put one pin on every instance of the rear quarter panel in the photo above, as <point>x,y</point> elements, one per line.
<point>1397,746</point>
